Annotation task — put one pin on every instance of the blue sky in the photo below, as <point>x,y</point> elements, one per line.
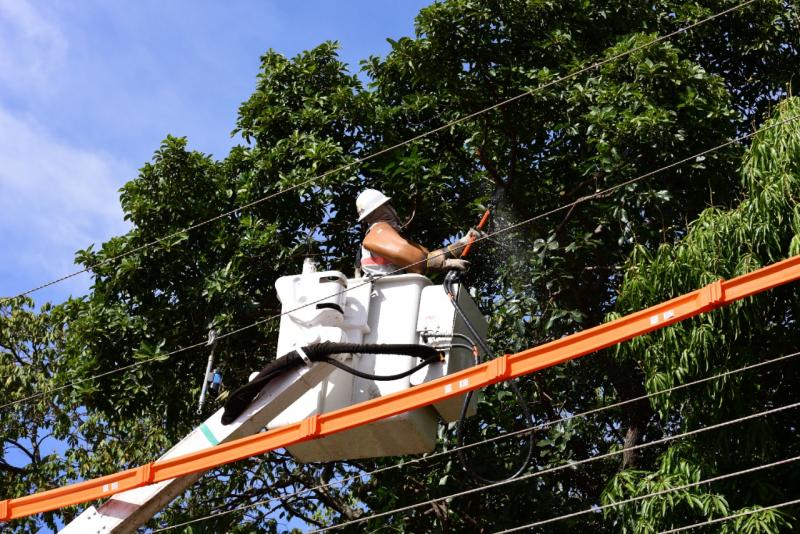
<point>89,89</point>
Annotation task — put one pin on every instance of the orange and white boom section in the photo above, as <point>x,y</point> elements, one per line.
<point>502,368</point>
<point>127,511</point>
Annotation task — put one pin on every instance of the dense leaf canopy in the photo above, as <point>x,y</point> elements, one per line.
<point>647,105</point>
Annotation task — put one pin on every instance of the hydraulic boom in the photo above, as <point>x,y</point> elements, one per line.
<point>186,465</point>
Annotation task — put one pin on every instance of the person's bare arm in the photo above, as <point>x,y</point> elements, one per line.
<point>384,241</point>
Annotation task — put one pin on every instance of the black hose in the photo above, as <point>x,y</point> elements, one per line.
<point>471,348</point>
<point>243,396</point>
<point>401,349</point>
<point>240,398</point>
<point>449,280</point>
<point>361,374</point>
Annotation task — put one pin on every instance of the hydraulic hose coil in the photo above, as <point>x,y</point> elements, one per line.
<point>243,396</point>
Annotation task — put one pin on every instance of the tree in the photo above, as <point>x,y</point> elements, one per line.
<point>52,439</point>
<point>722,244</point>
<point>309,116</point>
<point>30,343</point>
<point>632,116</point>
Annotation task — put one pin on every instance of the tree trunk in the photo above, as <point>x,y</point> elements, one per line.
<point>629,383</point>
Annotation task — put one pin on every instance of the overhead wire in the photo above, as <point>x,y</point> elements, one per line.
<point>405,463</point>
<point>508,228</point>
<point>570,465</point>
<point>452,123</point>
<point>391,148</point>
<point>737,515</point>
<point>480,238</point>
<point>483,237</point>
<point>600,508</point>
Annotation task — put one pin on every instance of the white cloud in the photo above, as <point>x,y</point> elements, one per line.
<point>32,48</point>
<point>54,199</point>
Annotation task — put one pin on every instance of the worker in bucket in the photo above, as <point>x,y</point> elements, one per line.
<point>384,250</point>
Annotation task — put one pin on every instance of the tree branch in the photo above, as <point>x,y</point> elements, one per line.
<point>13,351</point>
<point>489,166</point>
<point>564,221</point>
<point>297,513</point>
<point>20,447</point>
<point>629,384</point>
<point>8,468</point>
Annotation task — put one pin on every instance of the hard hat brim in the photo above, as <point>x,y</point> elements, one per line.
<point>366,213</point>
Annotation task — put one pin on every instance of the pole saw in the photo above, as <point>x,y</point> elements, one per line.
<point>490,206</point>
<point>451,278</point>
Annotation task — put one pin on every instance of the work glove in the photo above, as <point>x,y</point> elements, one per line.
<point>438,261</point>
<point>455,249</point>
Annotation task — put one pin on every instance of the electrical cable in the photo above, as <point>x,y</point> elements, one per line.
<point>542,426</point>
<point>428,335</point>
<point>385,378</point>
<point>457,346</point>
<point>115,370</point>
<point>450,279</point>
<point>570,465</point>
<point>597,509</point>
<point>733,516</point>
<point>243,396</point>
<point>506,229</point>
<point>391,148</point>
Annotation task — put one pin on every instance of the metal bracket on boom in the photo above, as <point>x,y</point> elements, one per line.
<point>208,378</point>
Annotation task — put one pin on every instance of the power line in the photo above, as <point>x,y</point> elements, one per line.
<point>639,178</point>
<point>570,465</point>
<point>462,119</point>
<point>433,456</point>
<point>100,375</point>
<point>480,238</point>
<point>597,509</point>
<point>391,148</point>
<point>732,516</point>
<point>514,226</point>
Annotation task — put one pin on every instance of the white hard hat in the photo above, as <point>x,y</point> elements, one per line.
<point>368,201</point>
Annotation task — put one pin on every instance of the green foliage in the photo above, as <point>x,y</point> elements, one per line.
<point>762,229</point>
<point>53,438</point>
<point>310,115</point>
<point>29,358</point>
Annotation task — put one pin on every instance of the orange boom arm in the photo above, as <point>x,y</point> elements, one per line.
<point>502,368</point>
